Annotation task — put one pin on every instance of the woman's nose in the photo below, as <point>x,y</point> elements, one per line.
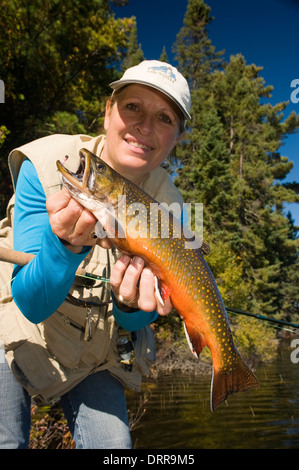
<point>145,125</point>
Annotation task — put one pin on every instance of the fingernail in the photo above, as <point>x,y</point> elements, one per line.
<point>125,259</point>
<point>138,261</point>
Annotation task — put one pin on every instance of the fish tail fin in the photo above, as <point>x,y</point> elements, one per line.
<point>239,378</point>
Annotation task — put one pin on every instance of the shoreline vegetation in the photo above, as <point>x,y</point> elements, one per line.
<point>49,428</point>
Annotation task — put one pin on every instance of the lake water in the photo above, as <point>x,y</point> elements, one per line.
<point>178,412</point>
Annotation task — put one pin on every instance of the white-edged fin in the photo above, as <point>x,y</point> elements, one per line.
<point>189,341</point>
<point>158,292</point>
<point>211,391</point>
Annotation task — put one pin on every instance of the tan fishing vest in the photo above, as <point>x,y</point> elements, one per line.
<point>50,358</point>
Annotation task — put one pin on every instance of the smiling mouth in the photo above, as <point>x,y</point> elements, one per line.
<point>139,145</point>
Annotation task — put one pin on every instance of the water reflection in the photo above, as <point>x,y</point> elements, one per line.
<point>178,412</point>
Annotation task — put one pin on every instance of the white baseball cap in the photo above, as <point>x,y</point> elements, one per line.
<point>161,76</point>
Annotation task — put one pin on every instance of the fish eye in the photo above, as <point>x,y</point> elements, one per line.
<point>101,167</point>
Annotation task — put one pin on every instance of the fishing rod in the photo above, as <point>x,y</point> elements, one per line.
<point>20,258</point>
<point>263,317</point>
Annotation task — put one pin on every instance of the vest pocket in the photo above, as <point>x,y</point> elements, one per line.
<point>36,374</point>
<point>64,340</point>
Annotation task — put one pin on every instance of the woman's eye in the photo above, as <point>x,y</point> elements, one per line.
<point>165,118</point>
<point>132,107</point>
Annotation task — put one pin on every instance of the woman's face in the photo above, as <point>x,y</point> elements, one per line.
<point>142,128</point>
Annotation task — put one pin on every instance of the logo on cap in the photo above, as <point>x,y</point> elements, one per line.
<point>166,72</point>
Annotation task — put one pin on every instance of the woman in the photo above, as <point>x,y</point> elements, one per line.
<point>66,342</point>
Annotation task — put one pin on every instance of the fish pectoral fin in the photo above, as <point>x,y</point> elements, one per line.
<point>195,339</point>
<point>158,291</point>
<point>161,290</point>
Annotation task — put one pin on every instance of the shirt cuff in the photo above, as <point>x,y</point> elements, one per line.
<point>132,321</point>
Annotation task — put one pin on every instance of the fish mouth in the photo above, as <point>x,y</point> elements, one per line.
<point>82,179</point>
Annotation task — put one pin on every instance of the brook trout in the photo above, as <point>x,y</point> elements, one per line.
<point>182,272</point>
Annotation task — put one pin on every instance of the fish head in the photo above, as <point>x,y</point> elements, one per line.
<point>95,184</point>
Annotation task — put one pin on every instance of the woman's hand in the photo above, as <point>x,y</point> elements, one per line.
<point>72,223</point>
<point>132,283</point>
<point>134,286</point>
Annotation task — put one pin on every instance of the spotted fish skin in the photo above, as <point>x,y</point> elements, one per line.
<point>183,272</point>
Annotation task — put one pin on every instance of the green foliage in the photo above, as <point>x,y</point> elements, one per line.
<point>57,59</point>
<point>49,429</point>
<point>3,134</point>
<point>228,269</point>
<point>55,55</point>
<point>164,56</point>
<point>255,339</point>
<point>134,55</point>
<point>230,161</point>
<point>63,122</point>
<point>194,51</point>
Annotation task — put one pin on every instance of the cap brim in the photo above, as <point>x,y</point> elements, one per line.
<point>120,83</point>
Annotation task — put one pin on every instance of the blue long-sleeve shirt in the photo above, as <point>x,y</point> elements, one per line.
<point>41,286</point>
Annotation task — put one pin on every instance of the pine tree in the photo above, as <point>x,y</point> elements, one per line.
<point>164,56</point>
<point>254,135</point>
<point>194,51</point>
<point>134,53</point>
<point>231,162</point>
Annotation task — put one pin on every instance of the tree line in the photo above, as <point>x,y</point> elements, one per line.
<point>57,60</point>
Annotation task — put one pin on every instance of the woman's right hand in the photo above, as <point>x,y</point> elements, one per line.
<point>72,222</point>
<point>133,285</point>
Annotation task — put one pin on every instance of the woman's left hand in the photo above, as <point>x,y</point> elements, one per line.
<point>134,286</point>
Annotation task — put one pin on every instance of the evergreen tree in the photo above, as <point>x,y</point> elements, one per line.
<point>134,52</point>
<point>56,60</point>
<point>164,56</point>
<point>231,162</point>
<point>194,51</point>
<point>258,230</point>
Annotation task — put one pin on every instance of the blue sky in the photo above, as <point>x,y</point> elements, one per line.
<point>264,31</point>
